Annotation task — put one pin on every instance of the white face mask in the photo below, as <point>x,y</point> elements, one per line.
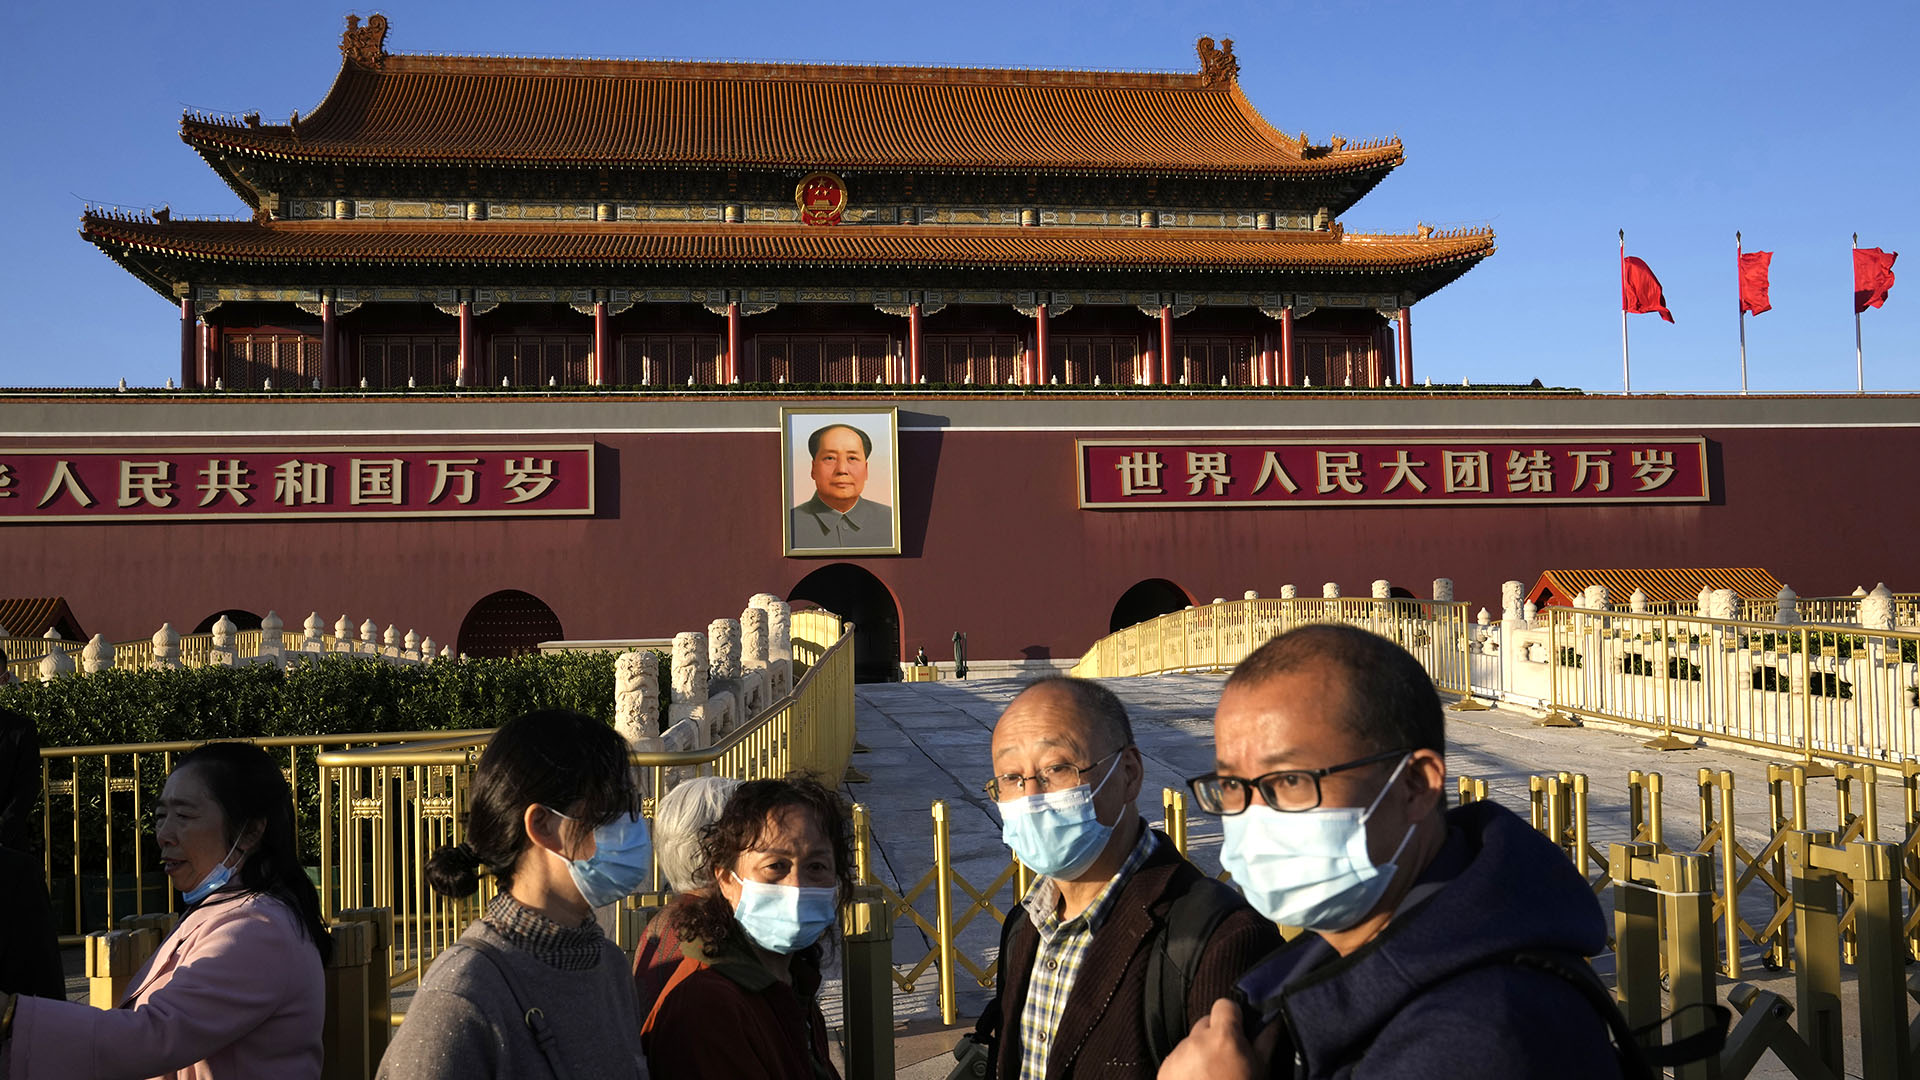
<point>1309,868</point>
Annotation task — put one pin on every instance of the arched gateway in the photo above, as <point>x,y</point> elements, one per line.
<point>1154,596</point>
<point>508,623</point>
<point>859,597</point>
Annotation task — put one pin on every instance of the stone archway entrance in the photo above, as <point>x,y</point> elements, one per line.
<point>508,623</point>
<point>859,597</point>
<point>1154,596</point>
<point>242,620</point>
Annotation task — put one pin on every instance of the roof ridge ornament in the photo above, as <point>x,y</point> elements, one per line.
<point>365,47</point>
<point>1217,65</point>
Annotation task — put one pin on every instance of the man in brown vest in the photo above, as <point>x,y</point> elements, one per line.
<point>1121,943</point>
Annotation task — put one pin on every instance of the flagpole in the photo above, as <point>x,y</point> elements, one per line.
<point>1626,372</point>
<point>1741,304</point>
<point>1859,363</point>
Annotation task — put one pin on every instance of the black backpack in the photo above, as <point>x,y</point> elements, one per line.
<point>1173,958</point>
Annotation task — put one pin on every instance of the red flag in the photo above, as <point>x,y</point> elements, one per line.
<point>1639,290</point>
<point>1753,281</point>
<point>1872,277</point>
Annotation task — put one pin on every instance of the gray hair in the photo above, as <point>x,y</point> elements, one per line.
<point>691,806</point>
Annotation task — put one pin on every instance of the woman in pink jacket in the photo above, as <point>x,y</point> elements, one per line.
<point>236,990</point>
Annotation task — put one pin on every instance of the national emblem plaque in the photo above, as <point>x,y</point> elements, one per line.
<point>822,198</point>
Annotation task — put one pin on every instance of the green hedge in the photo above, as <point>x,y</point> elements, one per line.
<point>329,695</point>
<point>332,694</point>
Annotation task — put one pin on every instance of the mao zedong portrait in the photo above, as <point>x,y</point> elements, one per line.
<point>839,515</point>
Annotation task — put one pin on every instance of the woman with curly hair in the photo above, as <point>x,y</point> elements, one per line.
<point>533,988</point>
<point>744,999</point>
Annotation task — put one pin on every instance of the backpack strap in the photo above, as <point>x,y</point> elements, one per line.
<point>1173,959</point>
<point>688,966</point>
<point>534,1017</point>
<point>1638,1058</point>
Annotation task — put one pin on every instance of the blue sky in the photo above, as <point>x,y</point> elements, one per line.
<point>1557,123</point>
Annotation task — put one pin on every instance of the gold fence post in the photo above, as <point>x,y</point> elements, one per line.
<point>1730,878</point>
<point>1580,822</point>
<point>112,958</point>
<point>1636,934</point>
<point>379,924</point>
<point>1875,870</point>
<point>1687,878</point>
<point>862,856</point>
<point>1655,828</point>
<point>1174,802</point>
<point>344,1038</point>
<point>867,985</point>
<point>943,897</point>
<point>1816,948</point>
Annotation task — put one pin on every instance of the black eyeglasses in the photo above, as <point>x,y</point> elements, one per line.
<point>1058,777</point>
<point>1288,791</point>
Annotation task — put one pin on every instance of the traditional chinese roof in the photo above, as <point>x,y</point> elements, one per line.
<point>137,242</point>
<point>520,112</point>
<point>1661,586</point>
<point>33,616</point>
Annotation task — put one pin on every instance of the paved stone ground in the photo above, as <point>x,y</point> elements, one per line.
<point>929,741</point>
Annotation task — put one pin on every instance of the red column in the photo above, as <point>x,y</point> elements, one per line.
<point>602,340</point>
<point>733,343</point>
<point>1289,375</point>
<point>1040,344</point>
<point>331,371</point>
<point>209,345</point>
<point>1406,345</point>
<point>463,372</point>
<point>189,366</point>
<point>913,343</point>
<point>1166,345</point>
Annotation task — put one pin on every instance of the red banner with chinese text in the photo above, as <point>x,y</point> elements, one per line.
<point>1185,474</point>
<point>294,482</point>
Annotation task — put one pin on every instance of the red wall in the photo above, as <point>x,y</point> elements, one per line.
<point>993,542</point>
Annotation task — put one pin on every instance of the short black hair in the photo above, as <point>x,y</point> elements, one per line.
<point>1391,702</point>
<point>813,440</point>
<point>1102,709</point>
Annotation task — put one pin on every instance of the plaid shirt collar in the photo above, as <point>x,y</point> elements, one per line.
<point>1042,902</point>
<point>569,948</point>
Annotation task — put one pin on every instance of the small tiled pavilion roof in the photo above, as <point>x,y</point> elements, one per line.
<point>1661,586</point>
<point>412,110</point>
<point>33,616</point>
<point>389,243</point>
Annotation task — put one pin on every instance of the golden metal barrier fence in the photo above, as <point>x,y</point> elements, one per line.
<point>96,834</point>
<point>384,810</point>
<point>1214,637</point>
<point>942,903</point>
<point>1810,691</point>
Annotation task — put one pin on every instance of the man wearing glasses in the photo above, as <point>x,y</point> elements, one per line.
<point>1121,943</point>
<point>1444,941</point>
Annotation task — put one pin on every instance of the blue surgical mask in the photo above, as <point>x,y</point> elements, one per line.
<point>216,878</point>
<point>1309,868</point>
<point>1056,833</point>
<point>785,918</point>
<point>622,856</point>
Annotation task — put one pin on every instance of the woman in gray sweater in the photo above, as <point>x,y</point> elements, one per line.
<point>533,989</point>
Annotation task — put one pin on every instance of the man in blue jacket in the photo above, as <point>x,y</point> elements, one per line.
<point>1330,775</point>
